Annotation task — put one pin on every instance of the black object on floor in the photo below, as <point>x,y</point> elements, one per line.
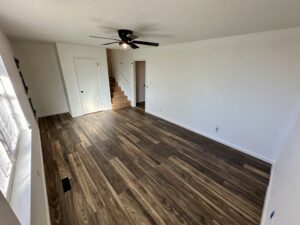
<point>66,184</point>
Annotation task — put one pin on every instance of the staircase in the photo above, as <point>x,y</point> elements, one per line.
<point>118,98</point>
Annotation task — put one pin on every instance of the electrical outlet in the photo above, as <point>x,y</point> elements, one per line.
<point>160,109</point>
<point>217,129</point>
<point>272,216</point>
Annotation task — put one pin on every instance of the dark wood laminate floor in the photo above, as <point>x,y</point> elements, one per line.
<point>141,105</point>
<point>128,167</point>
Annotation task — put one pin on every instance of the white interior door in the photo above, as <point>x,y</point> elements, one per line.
<point>89,84</point>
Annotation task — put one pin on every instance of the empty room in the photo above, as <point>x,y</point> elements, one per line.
<point>157,112</point>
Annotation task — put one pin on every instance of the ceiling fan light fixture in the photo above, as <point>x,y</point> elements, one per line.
<point>124,45</point>
<point>127,39</point>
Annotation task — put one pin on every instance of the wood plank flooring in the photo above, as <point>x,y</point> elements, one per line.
<point>141,105</point>
<point>127,167</point>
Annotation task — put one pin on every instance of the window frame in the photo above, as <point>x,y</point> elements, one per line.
<point>18,117</point>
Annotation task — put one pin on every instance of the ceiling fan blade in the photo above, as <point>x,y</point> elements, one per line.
<point>146,43</point>
<point>132,45</point>
<point>93,36</point>
<point>110,43</point>
<point>132,36</point>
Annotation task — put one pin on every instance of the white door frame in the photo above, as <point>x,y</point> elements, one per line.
<point>77,82</point>
<point>134,81</point>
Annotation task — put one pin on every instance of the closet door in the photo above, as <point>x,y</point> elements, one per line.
<point>89,84</point>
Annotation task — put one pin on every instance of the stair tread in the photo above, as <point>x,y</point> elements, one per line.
<point>115,89</point>
<point>119,100</point>
<point>119,97</point>
<point>122,105</point>
<point>116,94</point>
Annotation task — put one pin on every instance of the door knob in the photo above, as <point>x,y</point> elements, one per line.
<point>81,91</point>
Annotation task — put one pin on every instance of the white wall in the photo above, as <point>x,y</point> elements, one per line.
<point>246,85</point>
<point>20,196</point>
<point>283,195</point>
<point>39,203</point>
<point>121,67</point>
<point>40,68</point>
<point>67,53</point>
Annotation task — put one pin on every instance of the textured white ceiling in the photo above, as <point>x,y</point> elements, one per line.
<point>165,21</point>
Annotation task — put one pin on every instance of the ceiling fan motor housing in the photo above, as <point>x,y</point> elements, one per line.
<point>125,35</point>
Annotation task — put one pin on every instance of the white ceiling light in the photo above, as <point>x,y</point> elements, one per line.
<point>124,45</point>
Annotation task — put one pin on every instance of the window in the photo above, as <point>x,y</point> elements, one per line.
<point>12,122</point>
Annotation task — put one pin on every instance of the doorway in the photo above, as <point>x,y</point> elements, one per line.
<point>140,77</point>
<point>89,84</point>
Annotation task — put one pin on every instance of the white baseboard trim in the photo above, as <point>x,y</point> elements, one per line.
<point>51,114</point>
<point>105,108</point>
<point>248,152</point>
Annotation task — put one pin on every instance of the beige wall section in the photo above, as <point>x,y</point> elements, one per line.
<point>40,68</point>
<point>67,53</point>
<point>39,202</point>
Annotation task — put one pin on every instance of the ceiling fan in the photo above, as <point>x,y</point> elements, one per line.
<point>127,38</point>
